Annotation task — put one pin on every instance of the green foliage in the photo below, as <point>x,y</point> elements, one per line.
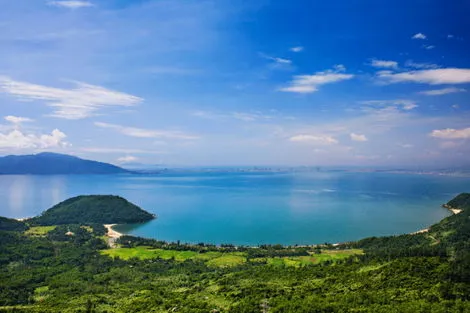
<point>68,273</point>
<point>101,209</point>
<point>8,224</point>
<point>39,230</point>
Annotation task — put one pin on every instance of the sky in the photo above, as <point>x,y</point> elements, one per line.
<point>219,82</point>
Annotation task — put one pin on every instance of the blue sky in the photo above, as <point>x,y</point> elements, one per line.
<point>237,82</point>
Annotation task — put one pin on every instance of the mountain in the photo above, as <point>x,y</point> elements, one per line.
<point>102,209</point>
<point>47,163</point>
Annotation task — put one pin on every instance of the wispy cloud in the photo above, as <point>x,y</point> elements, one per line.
<point>417,65</point>
<point>404,104</point>
<point>118,150</point>
<point>358,137</point>
<point>419,36</point>
<point>17,139</point>
<point>242,116</point>
<point>450,133</point>
<point>443,91</point>
<point>17,119</point>
<point>317,139</point>
<point>127,159</point>
<point>432,77</point>
<point>428,47</point>
<point>384,63</point>
<point>71,4</point>
<point>277,62</point>
<point>77,103</point>
<point>297,49</point>
<point>310,83</point>
<point>147,133</point>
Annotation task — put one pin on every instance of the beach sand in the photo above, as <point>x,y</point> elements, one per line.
<point>112,235</point>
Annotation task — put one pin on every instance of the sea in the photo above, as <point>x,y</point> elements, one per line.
<point>252,208</point>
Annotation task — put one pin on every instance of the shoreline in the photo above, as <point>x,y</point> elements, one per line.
<point>111,232</point>
<point>452,209</point>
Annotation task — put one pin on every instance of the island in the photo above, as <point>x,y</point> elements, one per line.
<point>48,163</point>
<point>99,209</point>
<point>70,268</point>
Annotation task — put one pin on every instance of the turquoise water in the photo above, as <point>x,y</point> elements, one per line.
<point>253,208</point>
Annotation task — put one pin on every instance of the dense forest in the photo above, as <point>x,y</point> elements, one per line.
<point>103,209</point>
<point>69,268</point>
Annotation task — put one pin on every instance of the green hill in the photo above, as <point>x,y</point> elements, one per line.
<point>8,224</point>
<point>103,209</point>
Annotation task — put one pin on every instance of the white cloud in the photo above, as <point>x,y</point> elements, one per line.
<point>118,150</point>
<point>320,139</point>
<point>146,133</point>
<point>450,36</point>
<point>127,159</point>
<point>339,68</point>
<point>71,4</point>
<point>429,47</point>
<point>77,103</point>
<point>17,119</point>
<point>450,133</point>
<point>297,49</point>
<point>384,63</point>
<point>16,139</point>
<point>443,91</point>
<point>419,36</point>
<point>242,116</point>
<point>410,63</point>
<point>397,103</point>
<point>432,77</point>
<point>310,83</point>
<point>276,60</point>
<point>358,137</point>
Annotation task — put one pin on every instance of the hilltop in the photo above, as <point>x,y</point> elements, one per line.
<point>9,224</point>
<point>102,209</point>
<point>47,163</point>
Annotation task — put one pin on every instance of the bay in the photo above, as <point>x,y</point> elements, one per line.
<point>253,208</point>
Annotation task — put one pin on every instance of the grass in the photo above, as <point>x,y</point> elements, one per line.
<point>220,259</point>
<point>39,231</point>
<point>216,259</point>
<point>297,261</point>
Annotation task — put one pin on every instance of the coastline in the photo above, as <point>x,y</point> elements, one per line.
<point>112,235</point>
<point>111,232</point>
<point>452,209</point>
<point>448,207</point>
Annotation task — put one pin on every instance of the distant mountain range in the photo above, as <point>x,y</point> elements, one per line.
<point>53,163</point>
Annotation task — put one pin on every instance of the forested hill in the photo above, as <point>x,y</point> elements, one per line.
<point>52,164</point>
<point>8,224</point>
<point>103,209</point>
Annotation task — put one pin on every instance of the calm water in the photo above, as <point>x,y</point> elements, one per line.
<point>249,209</point>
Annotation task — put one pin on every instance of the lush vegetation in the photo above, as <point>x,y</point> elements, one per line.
<point>103,209</point>
<point>10,224</point>
<point>69,269</point>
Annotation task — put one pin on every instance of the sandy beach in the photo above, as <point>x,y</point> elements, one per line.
<point>111,232</point>
<point>112,235</point>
